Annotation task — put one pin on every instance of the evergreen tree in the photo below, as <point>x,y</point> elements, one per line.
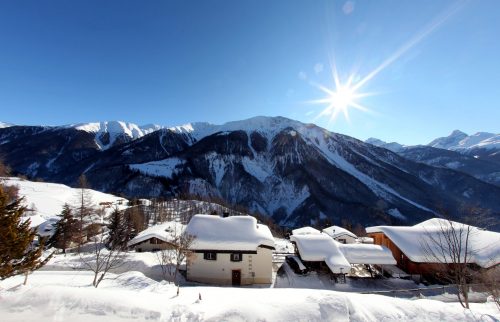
<point>17,255</point>
<point>133,222</point>
<point>117,237</point>
<point>65,229</point>
<point>4,169</point>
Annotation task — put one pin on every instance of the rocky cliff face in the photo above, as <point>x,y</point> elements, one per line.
<point>294,172</point>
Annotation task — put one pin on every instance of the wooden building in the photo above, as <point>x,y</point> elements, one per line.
<point>412,246</point>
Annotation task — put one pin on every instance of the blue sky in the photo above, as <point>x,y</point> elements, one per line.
<point>173,62</point>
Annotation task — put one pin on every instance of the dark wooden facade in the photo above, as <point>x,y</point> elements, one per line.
<point>403,261</point>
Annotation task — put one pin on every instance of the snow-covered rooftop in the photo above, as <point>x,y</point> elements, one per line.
<point>305,231</point>
<point>321,247</point>
<point>414,240</point>
<point>231,233</point>
<point>167,232</point>
<point>367,254</point>
<point>336,231</point>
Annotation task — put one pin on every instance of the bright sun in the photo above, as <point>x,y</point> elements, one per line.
<point>340,99</point>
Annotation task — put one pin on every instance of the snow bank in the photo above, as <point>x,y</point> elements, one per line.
<point>68,296</point>
<point>231,233</point>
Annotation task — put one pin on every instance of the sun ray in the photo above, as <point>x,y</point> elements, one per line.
<point>424,33</point>
<point>344,95</point>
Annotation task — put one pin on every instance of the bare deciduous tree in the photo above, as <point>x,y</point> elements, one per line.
<point>166,260</point>
<point>84,208</point>
<point>449,245</point>
<point>100,260</point>
<point>490,279</point>
<point>170,260</point>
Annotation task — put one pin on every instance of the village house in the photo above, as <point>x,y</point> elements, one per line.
<point>314,249</point>
<point>305,231</point>
<point>229,251</point>
<point>413,246</point>
<point>341,235</point>
<point>157,237</point>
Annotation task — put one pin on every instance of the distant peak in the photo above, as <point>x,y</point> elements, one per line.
<point>375,141</point>
<point>458,133</point>
<point>3,125</point>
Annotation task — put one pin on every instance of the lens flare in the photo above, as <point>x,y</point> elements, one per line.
<point>343,96</point>
<point>340,99</point>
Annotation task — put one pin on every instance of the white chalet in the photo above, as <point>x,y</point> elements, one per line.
<point>156,237</point>
<point>232,251</point>
<point>321,247</point>
<point>340,234</point>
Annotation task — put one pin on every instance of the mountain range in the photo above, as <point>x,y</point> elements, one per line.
<point>477,154</point>
<point>294,172</point>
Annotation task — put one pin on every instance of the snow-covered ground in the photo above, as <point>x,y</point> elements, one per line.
<point>49,198</point>
<point>63,291</point>
<point>69,296</point>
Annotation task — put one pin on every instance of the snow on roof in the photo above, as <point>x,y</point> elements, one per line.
<point>412,240</point>
<point>231,233</point>
<point>35,220</point>
<point>166,232</point>
<point>305,231</point>
<point>336,231</point>
<point>298,261</point>
<point>367,254</point>
<point>366,240</point>
<point>321,247</point>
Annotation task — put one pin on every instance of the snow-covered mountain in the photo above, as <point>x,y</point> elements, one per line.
<point>3,125</point>
<point>393,146</point>
<point>110,133</point>
<point>477,154</point>
<point>297,173</point>
<point>460,141</point>
<point>266,126</point>
<point>456,141</point>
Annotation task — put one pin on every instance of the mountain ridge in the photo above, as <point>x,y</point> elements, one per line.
<point>293,172</point>
<point>477,154</point>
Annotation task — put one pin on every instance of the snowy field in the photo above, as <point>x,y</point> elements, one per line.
<point>69,296</point>
<point>49,198</point>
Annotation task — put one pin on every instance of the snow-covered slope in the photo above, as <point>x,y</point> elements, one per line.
<point>393,146</point>
<point>267,126</point>
<point>48,198</point>
<point>109,132</point>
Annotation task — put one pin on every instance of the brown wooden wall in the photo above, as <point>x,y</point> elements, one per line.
<point>402,260</point>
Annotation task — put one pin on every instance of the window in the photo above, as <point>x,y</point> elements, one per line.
<point>210,256</point>
<point>235,257</point>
